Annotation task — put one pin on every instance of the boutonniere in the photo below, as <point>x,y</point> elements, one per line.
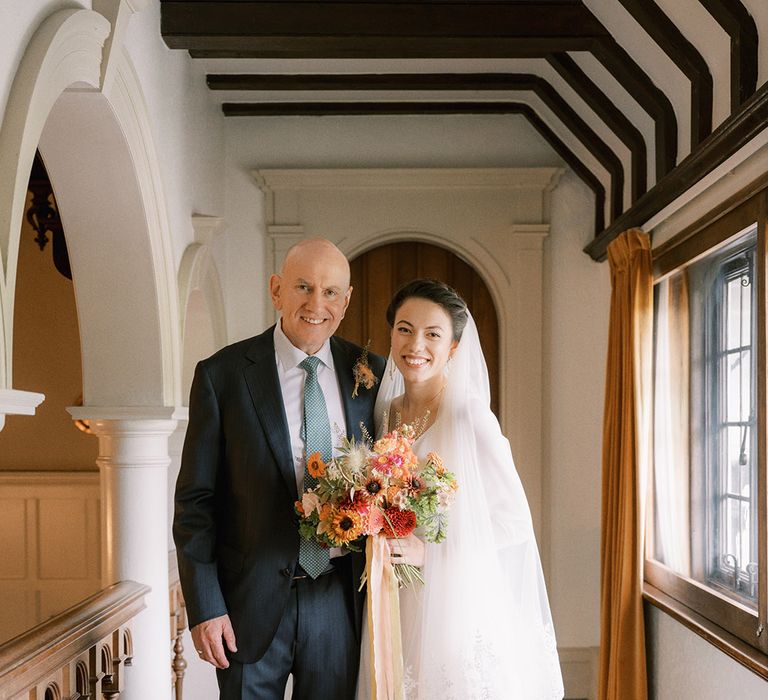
<point>363,373</point>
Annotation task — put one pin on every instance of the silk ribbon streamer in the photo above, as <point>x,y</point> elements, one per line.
<point>383,622</point>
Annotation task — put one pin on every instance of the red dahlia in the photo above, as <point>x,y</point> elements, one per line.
<point>403,522</point>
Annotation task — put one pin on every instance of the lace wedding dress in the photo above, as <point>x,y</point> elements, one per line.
<point>480,628</point>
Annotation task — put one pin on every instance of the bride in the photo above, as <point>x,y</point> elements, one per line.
<point>480,627</point>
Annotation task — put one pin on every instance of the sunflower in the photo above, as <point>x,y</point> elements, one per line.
<point>315,465</point>
<point>416,486</point>
<point>346,526</point>
<point>373,488</point>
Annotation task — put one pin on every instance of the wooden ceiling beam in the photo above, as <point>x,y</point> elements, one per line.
<point>320,29</point>
<point>734,133</point>
<point>687,58</point>
<point>606,110</point>
<point>626,71</point>
<point>734,18</point>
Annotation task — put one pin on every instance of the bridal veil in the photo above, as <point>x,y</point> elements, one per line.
<point>481,625</point>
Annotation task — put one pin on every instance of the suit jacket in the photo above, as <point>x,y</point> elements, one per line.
<point>235,526</point>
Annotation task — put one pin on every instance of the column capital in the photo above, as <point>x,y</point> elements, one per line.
<point>15,402</point>
<point>130,419</point>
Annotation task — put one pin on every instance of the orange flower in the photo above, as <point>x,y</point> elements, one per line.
<point>437,461</point>
<point>299,508</point>
<point>315,465</point>
<point>347,525</point>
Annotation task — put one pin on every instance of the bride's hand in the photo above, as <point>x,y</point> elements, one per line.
<point>406,550</point>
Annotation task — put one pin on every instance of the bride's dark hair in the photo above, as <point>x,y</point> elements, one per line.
<point>439,293</point>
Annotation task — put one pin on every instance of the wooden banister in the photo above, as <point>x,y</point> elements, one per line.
<point>88,643</point>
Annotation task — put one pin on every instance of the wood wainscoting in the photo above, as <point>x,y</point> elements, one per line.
<point>50,539</point>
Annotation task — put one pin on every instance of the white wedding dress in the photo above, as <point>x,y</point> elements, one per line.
<point>480,628</point>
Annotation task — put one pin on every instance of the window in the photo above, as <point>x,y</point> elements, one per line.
<point>706,553</point>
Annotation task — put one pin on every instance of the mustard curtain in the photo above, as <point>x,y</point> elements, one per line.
<point>626,443</point>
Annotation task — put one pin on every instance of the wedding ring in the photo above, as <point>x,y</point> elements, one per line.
<point>199,651</point>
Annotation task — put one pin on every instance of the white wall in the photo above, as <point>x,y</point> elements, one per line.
<point>685,667</point>
<point>347,142</point>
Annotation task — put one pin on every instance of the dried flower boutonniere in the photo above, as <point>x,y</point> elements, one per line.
<point>363,373</point>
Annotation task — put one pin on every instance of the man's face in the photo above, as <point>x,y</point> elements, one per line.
<point>312,293</point>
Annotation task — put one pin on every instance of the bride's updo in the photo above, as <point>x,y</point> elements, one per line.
<point>435,291</point>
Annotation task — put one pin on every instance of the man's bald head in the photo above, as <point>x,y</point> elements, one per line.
<point>312,292</point>
<point>319,251</point>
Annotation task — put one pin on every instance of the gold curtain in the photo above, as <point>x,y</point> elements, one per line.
<point>626,443</point>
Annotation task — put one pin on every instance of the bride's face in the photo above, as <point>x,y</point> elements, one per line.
<point>422,340</point>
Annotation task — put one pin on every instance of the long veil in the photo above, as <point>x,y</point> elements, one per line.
<point>481,625</point>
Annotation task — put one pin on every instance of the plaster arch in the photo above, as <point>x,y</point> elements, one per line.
<point>99,153</point>
<point>201,304</point>
<point>65,50</point>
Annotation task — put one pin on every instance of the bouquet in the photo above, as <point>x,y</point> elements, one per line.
<point>377,489</point>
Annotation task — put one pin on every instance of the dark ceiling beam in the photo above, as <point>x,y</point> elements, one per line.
<point>734,133</point>
<point>315,109</point>
<point>687,58</point>
<point>462,81</point>
<point>623,67</point>
<point>613,117</point>
<point>319,29</point>
<point>586,175</point>
<point>733,17</point>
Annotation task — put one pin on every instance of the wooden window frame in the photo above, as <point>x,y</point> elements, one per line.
<point>734,628</point>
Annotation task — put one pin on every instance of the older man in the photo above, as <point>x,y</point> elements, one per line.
<point>262,603</point>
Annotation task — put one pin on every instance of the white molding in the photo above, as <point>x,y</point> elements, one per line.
<point>41,479</point>
<point>206,227</point>
<point>13,401</point>
<point>274,180</point>
<point>126,413</point>
<point>746,165</point>
<point>580,670</point>
<point>66,49</point>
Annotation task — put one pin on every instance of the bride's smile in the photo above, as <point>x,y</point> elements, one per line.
<point>422,342</point>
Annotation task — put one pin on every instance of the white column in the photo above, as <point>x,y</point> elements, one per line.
<point>133,461</point>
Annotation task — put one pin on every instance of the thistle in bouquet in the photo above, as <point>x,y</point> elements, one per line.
<point>375,489</point>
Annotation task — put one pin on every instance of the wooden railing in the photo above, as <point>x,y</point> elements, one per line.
<point>178,625</point>
<point>81,653</point>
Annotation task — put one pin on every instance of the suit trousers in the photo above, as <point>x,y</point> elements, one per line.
<point>315,641</point>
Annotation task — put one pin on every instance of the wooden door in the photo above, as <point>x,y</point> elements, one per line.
<point>376,276</point>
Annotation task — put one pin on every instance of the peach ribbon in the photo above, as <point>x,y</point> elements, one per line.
<point>383,622</point>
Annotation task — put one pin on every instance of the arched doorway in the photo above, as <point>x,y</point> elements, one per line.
<point>379,272</point>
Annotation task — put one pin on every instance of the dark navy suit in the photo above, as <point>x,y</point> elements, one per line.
<point>235,526</point>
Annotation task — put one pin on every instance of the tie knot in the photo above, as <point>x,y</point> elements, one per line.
<point>309,364</point>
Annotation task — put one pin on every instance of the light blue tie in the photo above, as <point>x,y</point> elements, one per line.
<point>313,557</point>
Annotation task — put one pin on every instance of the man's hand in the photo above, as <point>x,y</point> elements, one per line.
<point>207,638</point>
<point>406,550</point>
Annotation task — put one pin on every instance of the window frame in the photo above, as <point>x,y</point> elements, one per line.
<point>731,626</point>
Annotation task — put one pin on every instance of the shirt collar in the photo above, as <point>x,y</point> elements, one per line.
<point>290,356</point>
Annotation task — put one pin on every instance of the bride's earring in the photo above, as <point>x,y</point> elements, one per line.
<point>447,369</point>
<point>391,369</point>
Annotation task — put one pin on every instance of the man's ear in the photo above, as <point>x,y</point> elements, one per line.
<point>347,297</point>
<point>274,291</point>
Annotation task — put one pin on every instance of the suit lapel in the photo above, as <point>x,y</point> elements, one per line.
<point>264,387</point>
<point>356,411</point>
